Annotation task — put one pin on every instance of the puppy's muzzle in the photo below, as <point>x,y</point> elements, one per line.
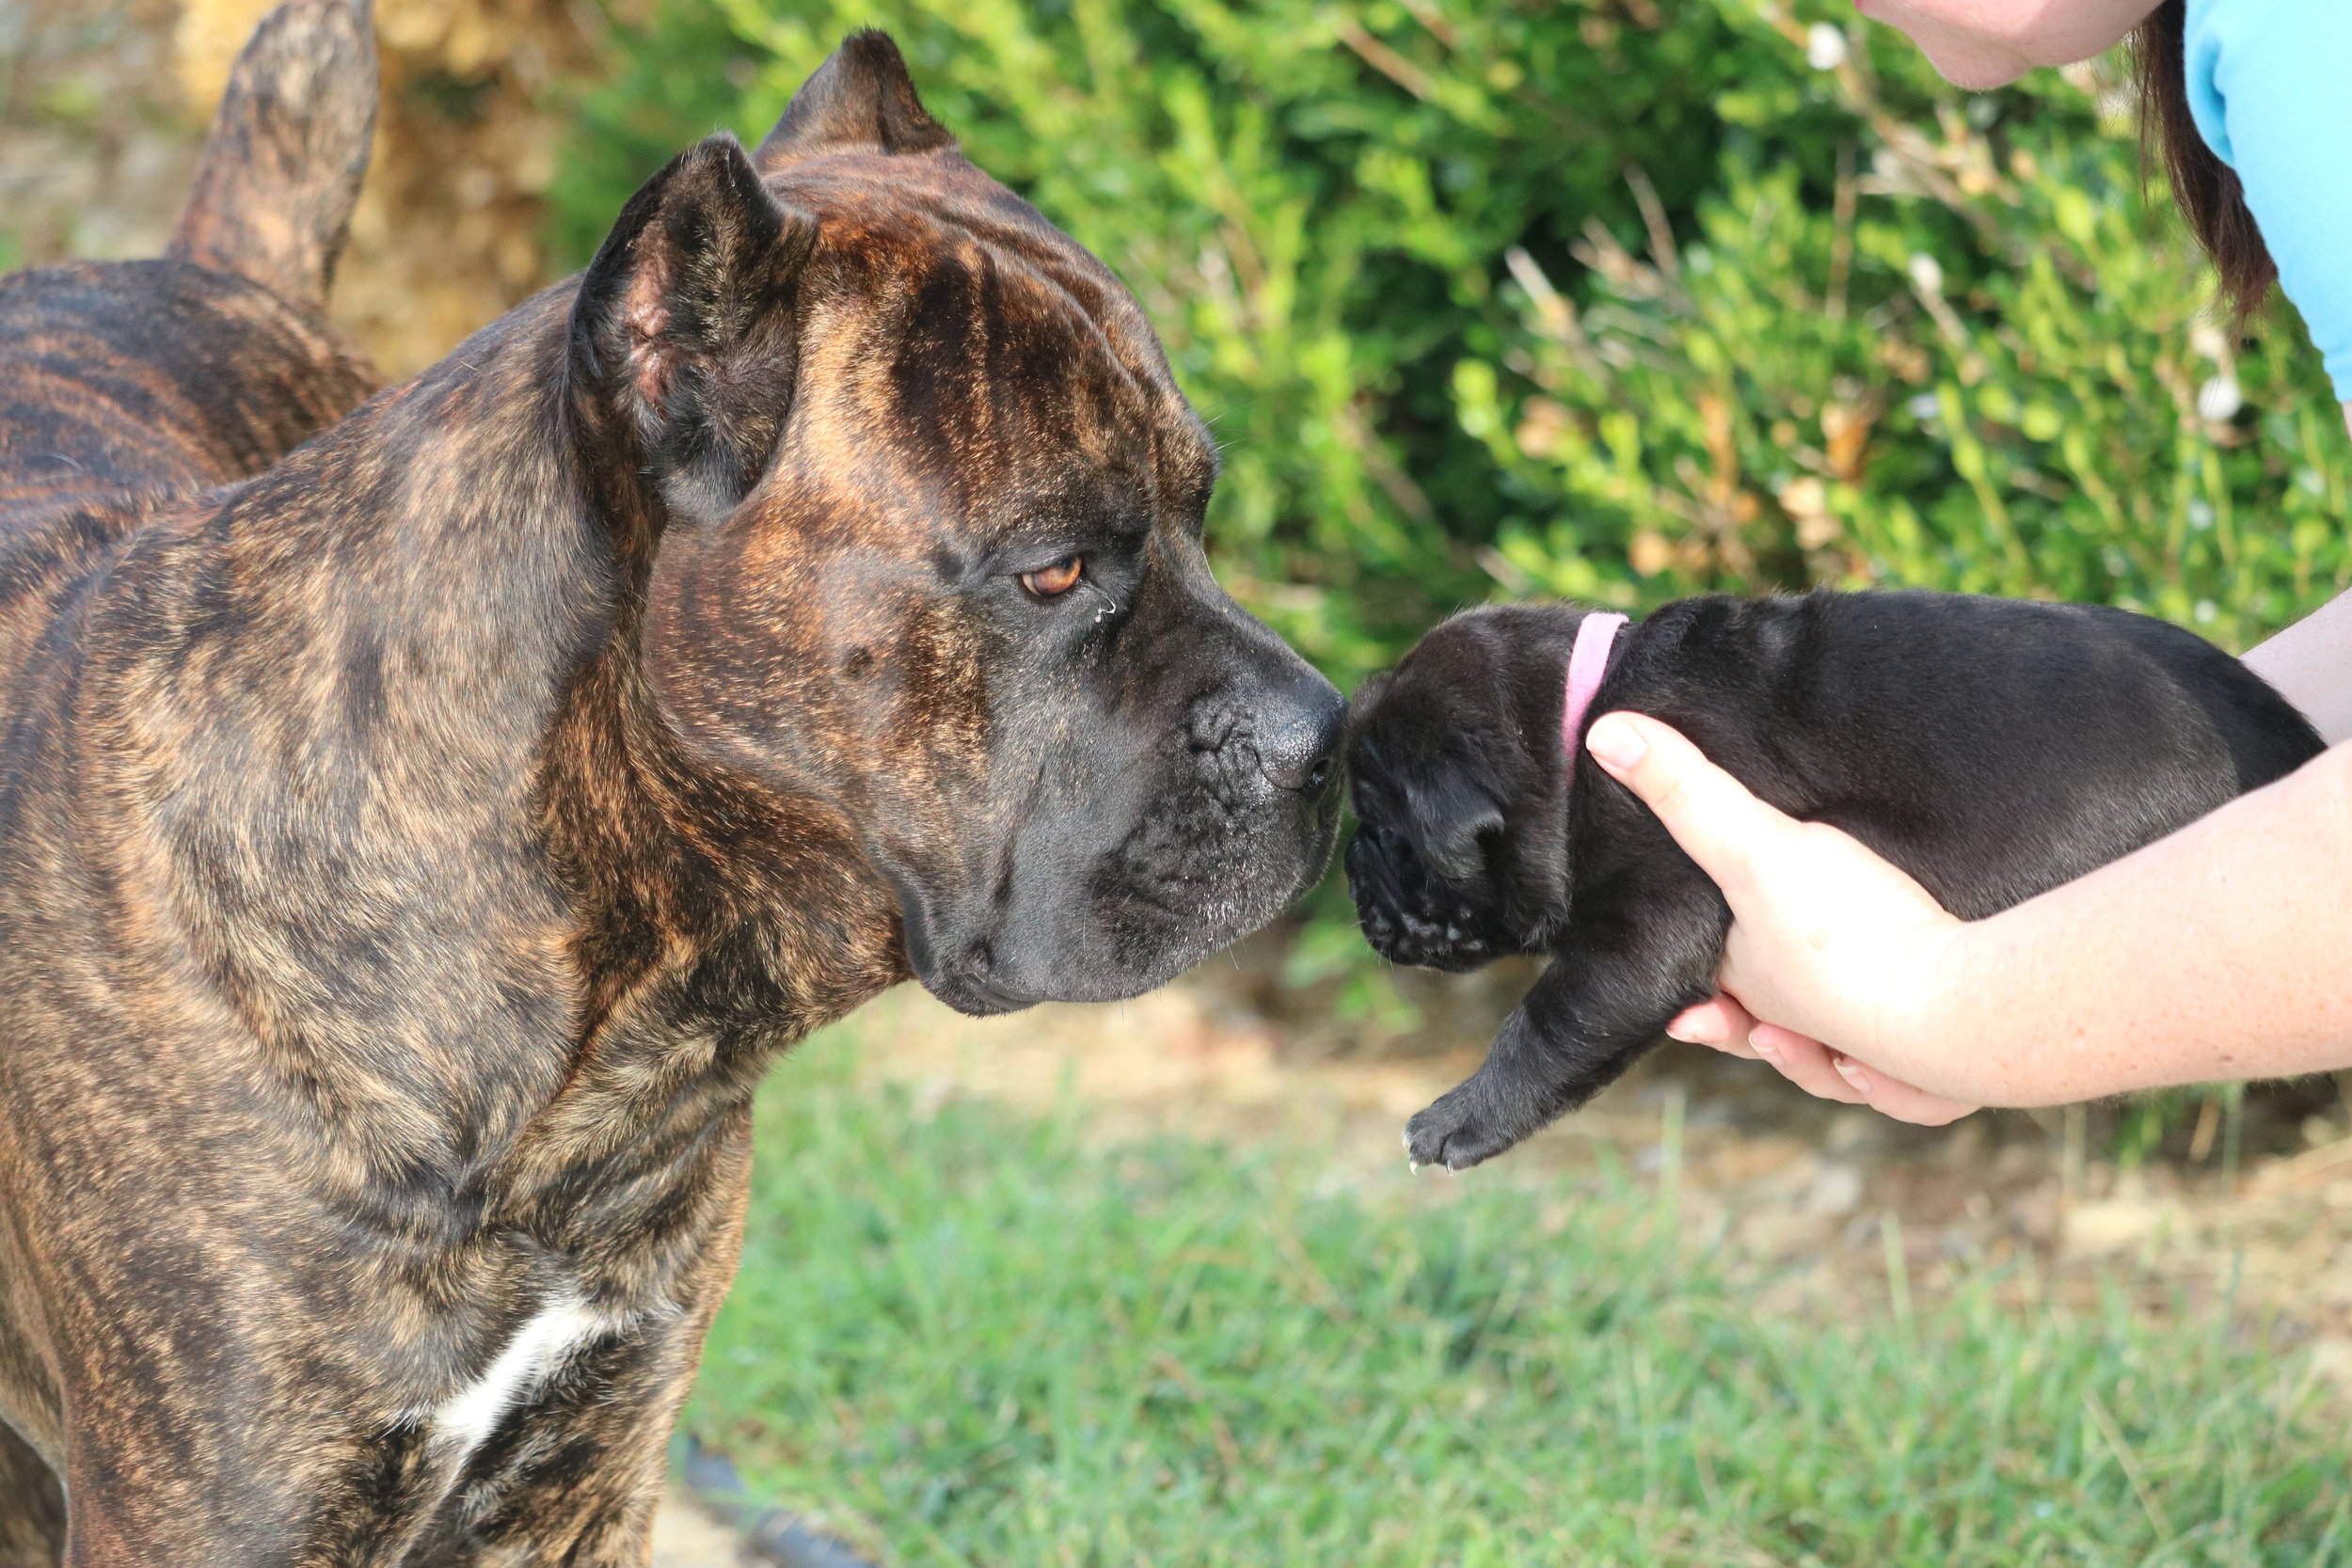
<point>1407,915</point>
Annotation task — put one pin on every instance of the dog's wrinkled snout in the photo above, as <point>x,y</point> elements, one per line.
<point>1296,735</point>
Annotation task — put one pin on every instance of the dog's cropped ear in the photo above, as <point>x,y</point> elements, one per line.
<point>861,97</point>
<point>685,324</point>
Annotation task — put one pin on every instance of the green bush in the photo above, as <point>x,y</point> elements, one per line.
<point>1973,366</point>
<point>1619,299</point>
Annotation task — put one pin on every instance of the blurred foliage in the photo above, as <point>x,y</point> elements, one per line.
<point>1613,299</point>
<point>1620,299</point>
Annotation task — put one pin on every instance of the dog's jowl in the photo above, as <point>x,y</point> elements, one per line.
<point>410,859</point>
<point>1990,747</point>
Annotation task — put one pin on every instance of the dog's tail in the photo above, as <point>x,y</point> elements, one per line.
<point>288,148</point>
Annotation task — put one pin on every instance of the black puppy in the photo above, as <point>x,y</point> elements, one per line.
<point>1992,748</point>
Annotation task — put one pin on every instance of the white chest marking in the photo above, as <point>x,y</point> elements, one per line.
<point>537,1350</point>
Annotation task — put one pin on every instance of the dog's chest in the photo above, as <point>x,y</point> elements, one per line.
<point>534,1353</point>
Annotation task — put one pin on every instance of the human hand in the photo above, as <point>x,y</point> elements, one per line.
<point>1827,940</point>
<point>1729,1027</point>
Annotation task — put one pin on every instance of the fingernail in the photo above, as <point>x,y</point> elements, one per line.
<point>1852,1072</point>
<point>1693,1034</point>
<point>1763,1047</point>
<point>1617,744</point>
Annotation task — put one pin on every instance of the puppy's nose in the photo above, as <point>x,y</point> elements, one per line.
<point>1298,735</point>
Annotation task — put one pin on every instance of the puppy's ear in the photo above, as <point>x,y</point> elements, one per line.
<point>860,98</point>
<point>685,324</point>
<point>1405,764</point>
<point>1453,816</point>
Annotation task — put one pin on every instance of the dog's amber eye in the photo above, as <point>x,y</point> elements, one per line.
<point>1056,579</point>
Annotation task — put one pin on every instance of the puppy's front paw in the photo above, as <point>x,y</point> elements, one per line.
<point>1458,1132</point>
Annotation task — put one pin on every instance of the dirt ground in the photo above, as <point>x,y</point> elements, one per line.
<point>686,1537</point>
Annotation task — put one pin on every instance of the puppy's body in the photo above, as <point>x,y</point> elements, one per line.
<point>1992,748</point>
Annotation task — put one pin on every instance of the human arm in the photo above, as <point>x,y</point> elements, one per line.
<point>2215,952</point>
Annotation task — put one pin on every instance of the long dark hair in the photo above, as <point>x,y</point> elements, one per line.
<point>2206,189</point>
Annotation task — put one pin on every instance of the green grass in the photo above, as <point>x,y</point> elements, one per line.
<point>984,1343</point>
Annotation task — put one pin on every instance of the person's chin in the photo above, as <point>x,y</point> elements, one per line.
<point>1975,68</point>
<point>1970,63</point>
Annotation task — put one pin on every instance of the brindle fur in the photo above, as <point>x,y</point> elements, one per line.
<point>121,382</point>
<point>410,859</point>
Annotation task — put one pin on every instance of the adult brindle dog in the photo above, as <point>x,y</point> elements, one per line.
<point>409,859</point>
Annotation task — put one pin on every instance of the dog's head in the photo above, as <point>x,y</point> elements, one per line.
<point>931,555</point>
<point>1460,785</point>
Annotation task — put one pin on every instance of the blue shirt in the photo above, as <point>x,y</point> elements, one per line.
<point>2270,86</point>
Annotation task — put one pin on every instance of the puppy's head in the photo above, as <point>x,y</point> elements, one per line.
<point>931,561</point>
<point>1460,787</point>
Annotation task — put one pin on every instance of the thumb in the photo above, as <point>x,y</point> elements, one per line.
<point>1711,813</point>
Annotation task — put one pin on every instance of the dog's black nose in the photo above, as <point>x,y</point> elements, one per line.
<point>1298,735</point>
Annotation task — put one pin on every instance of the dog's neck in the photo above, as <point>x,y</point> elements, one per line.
<point>424,629</point>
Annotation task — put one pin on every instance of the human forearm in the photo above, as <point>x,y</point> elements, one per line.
<point>2219,952</point>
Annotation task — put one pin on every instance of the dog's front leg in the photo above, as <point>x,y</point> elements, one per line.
<point>574,1476</point>
<point>1624,967</point>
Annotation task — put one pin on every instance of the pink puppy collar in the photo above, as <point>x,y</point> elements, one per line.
<point>1588,662</point>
